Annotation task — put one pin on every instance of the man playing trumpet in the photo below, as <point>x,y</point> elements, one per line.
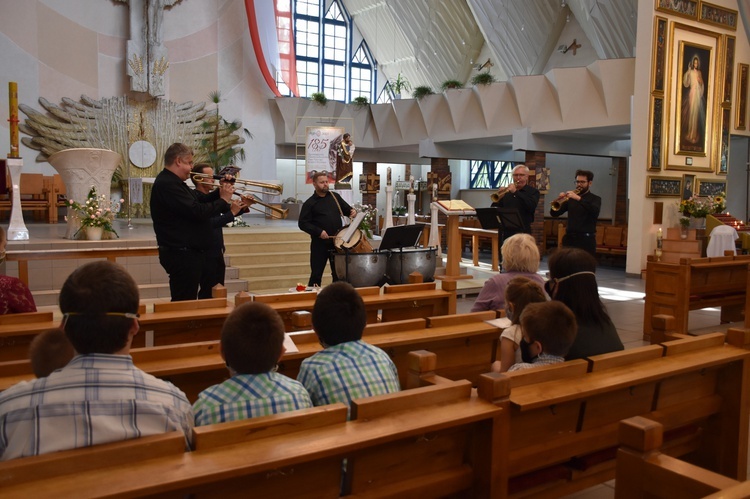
<point>520,196</point>
<point>583,208</point>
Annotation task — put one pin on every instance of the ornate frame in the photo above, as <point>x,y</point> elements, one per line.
<point>688,180</point>
<point>717,15</point>
<point>686,43</point>
<point>686,8</point>
<point>658,186</point>
<point>710,186</point>
<point>740,118</point>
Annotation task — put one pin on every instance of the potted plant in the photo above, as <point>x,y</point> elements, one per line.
<point>319,97</point>
<point>219,146</point>
<point>483,79</point>
<point>684,225</point>
<point>361,101</point>
<point>421,91</point>
<point>447,84</point>
<point>96,215</point>
<point>399,85</point>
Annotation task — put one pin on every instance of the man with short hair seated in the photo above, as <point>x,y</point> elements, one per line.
<point>99,396</point>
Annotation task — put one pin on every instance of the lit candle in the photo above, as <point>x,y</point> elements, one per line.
<point>13,107</point>
<point>659,238</point>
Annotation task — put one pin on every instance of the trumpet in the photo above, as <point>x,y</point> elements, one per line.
<point>497,196</point>
<point>557,204</point>
<point>246,189</point>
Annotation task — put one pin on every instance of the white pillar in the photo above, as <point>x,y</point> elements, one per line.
<point>17,230</point>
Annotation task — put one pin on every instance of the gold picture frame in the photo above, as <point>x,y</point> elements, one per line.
<point>706,187</point>
<point>658,186</point>
<point>717,15</point>
<point>693,111</point>
<point>656,134</point>
<point>740,117</point>
<point>685,8</point>
<point>722,166</point>
<point>729,43</point>
<point>659,57</point>
<point>687,186</point>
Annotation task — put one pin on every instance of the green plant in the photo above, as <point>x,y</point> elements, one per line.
<point>684,222</point>
<point>421,91</point>
<point>700,207</point>
<point>451,84</point>
<point>399,210</point>
<point>483,78</point>
<point>319,97</point>
<point>220,143</point>
<point>400,84</point>
<point>96,211</point>
<point>368,222</point>
<point>361,101</point>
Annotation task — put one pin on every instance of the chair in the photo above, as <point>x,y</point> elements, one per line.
<point>722,239</point>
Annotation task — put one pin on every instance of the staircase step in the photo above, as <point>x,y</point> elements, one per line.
<point>273,269</point>
<point>286,257</point>
<point>240,234</point>
<point>266,246</point>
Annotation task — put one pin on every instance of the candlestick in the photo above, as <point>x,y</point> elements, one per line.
<point>13,107</point>
<point>659,239</point>
<point>411,184</point>
<point>388,179</point>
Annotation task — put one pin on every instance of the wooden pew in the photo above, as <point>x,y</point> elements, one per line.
<point>676,288</point>
<point>644,469</point>
<point>431,441</point>
<point>17,331</point>
<point>465,343</point>
<point>563,418</point>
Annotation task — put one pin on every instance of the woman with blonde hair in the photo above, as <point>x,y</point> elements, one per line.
<point>520,259</point>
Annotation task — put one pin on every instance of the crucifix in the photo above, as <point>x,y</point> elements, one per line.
<point>146,55</point>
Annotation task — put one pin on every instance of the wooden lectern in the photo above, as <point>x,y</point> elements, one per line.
<point>453,209</point>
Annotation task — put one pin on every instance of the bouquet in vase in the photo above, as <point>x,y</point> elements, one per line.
<point>95,211</point>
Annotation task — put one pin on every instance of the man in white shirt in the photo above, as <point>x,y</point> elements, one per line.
<point>100,396</point>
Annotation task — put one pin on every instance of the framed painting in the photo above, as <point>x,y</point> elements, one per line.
<point>694,130</point>
<point>729,42</point>
<point>663,186</point>
<point>684,8</point>
<point>711,187</point>
<point>655,134</point>
<point>659,56</point>
<point>718,16</point>
<point>723,164</point>
<point>740,118</point>
<point>688,182</point>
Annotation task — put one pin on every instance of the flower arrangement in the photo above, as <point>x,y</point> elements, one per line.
<point>399,211</point>
<point>237,222</point>
<point>368,222</point>
<point>96,211</point>
<point>684,222</point>
<point>700,207</point>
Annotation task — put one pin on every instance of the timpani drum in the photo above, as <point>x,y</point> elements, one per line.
<point>360,269</point>
<point>401,263</point>
<point>358,243</point>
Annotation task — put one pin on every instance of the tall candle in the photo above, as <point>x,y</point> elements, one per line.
<point>411,184</point>
<point>13,106</point>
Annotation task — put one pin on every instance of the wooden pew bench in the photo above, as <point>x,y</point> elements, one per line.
<point>466,345</point>
<point>645,469</point>
<point>692,284</point>
<point>477,235</point>
<point>563,418</point>
<point>432,441</point>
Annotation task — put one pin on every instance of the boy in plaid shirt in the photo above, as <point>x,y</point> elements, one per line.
<point>347,368</point>
<point>251,344</point>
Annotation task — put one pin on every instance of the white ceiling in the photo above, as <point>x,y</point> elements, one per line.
<point>430,41</point>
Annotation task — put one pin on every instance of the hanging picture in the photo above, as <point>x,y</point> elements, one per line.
<point>663,186</point>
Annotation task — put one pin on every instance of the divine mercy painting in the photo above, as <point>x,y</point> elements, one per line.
<point>693,105</point>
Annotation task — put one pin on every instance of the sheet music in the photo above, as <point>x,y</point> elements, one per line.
<point>347,235</point>
<point>502,322</point>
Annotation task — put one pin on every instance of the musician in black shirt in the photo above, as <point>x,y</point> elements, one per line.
<point>182,221</point>
<point>320,217</point>
<point>583,211</point>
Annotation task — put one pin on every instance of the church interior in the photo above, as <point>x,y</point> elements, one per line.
<point>442,98</point>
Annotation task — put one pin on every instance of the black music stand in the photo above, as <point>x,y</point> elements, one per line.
<point>400,236</point>
<point>510,219</point>
<point>488,218</point>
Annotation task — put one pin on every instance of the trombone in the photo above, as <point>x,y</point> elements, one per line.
<point>558,203</point>
<point>247,189</point>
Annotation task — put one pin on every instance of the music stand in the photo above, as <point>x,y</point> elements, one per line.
<point>488,218</point>
<point>400,236</point>
<point>510,219</point>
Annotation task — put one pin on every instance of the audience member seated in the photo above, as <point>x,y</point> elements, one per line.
<point>520,292</point>
<point>49,352</point>
<point>15,297</point>
<point>549,329</point>
<point>573,282</point>
<point>520,258</point>
<point>99,396</point>
<point>347,368</point>
<point>252,342</point>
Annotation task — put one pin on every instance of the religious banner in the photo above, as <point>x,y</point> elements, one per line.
<point>320,153</point>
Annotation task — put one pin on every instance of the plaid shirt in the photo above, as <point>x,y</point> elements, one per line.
<point>348,371</point>
<point>249,395</point>
<point>95,399</point>
<point>542,360</point>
